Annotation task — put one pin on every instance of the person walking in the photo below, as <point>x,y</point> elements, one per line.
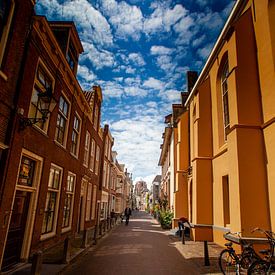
<point>127,214</point>
<point>181,223</point>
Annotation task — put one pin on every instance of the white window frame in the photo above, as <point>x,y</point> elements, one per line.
<point>4,37</point>
<point>97,160</point>
<point>88,202</point>
<point>53,232</point>
<point>96,117</point>
<point>94,202</point>
<point>87,149</point>
<point>37,83</point>
<point>92,155</point>
<point>78,133</point>
<point>69,192</point>
<point>67,121</point>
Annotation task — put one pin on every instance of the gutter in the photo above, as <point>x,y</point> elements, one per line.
<point>218,43</point>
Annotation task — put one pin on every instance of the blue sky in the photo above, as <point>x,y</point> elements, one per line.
<point>138,51</point>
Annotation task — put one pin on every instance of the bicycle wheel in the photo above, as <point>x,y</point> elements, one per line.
<point>227,263</point>
<point>258,267</point>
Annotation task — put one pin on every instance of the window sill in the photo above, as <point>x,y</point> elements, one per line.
<point>73,155</point>
<point>66,229</point>
<point>3,75</point>
<point>60,145</point>
<point>47,236</point>
<point>44,133</point>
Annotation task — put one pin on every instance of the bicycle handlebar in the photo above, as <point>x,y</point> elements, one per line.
<point>269,234</point>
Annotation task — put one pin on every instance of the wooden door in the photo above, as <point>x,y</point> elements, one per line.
<point>17,229</point>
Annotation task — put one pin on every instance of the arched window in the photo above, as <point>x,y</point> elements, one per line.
<point>224,89</point>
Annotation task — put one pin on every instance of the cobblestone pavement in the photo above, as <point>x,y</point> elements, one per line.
<point>144,248</point>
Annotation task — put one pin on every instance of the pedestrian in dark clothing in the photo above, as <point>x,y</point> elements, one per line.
<point>181,223</point>
<point>127,214</point>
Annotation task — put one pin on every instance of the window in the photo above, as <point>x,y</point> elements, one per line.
<point>72,57</point>
<point>75,135</point>
<point>43,81</point>
<point>62,119</point>
<point>97,160</point>
<point>94,202</point>
<point>69,199</point>
<point>226,210</point>
<point>104,173</point>
<point>6,14</point>
<point>88,202</point>
<point>224,83</point>
<point>92,155</point>
<point>106,147</point>
<point>108,176</point>
<point>26,173</point>
<point>86,149</point>
<point>52,200</point>
<point>96,118</point>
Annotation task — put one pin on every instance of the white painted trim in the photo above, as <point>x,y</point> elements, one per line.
<point>3,146</point>
<point>53,233</point>
<point>214,50</point>
<point>65,229</point>
<point>6,30</point>
<point>25,249</point>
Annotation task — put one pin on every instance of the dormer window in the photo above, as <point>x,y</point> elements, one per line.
<point>72,57</point>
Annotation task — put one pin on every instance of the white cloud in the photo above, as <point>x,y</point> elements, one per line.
<point>154,83</point>
<point>99,58</point>
<point>137,59</point>
<point>138,148</point>
<point>165,63</point>
<point>163,18</point>
<point>87,76</point>
<point>161,50</point>
<point>126,19</point>
<point>198,41</point>
<point>171,96</point>
<point>204,52</point>
<point>91,22</point>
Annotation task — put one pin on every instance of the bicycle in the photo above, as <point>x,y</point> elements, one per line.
<point>266,265</point>
<point>232,263</point>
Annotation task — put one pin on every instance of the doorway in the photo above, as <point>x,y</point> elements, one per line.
<point>17,229</point>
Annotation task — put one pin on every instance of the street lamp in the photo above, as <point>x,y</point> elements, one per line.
<point>45,105</point>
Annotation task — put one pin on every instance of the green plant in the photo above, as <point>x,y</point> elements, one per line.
<point>166,218</point>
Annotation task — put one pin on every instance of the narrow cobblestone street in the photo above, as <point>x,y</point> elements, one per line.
<point>143,247</point>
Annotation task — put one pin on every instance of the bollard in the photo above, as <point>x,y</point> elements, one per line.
<point>182,236</point>
<point>67,250</point>
<point>36,263</point>
<point>84,243</point>
<point>206,255</point>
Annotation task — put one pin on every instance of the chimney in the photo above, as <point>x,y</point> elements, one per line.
<point>192,77</point>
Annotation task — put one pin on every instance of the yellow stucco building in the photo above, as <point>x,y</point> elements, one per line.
<point>224,136</point>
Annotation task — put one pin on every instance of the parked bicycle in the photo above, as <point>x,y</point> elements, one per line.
<point>267,264</point>
<point>232,263</point>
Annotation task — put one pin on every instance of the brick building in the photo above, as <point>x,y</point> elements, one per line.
<point>51,183</point>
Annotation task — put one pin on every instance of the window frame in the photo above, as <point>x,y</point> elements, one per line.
<point>78,134</point>
<point>86,156</point>
<point>71,210</point>
<point>38,85</point>
<point>88,201</point>
<point>97,160</point>
<point>5,35</point>
<point>225,99</point>
<point>67,120</point>
<point>52,233</point>
<point>92,155</point>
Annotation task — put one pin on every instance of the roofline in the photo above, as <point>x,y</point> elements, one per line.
<point>218,43</point>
